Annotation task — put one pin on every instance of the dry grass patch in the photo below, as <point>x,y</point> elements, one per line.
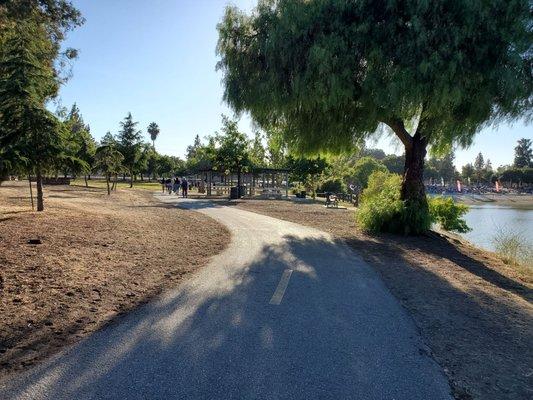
<point>99,257</point>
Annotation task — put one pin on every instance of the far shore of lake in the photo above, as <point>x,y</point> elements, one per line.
<point>506,200</point>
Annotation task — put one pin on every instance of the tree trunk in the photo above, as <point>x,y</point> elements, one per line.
<point>107,179</point>
<point>131,179</point>
<point>39,178</point>
<point>413,191</point>
<point>86,183</point>
<point>238,183</point>
<point>31,193</point>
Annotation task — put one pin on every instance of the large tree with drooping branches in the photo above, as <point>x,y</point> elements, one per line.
<point>332,72</point>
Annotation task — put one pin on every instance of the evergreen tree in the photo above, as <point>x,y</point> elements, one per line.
<point>79,145</point>
<point>192,150</point>
<point>479,167</point>
<point>27,80</point>
<point>108,139</point>
<point>129,144</point>
<point>523,154</point>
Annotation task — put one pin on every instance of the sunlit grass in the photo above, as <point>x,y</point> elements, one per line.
<point>515,250</point>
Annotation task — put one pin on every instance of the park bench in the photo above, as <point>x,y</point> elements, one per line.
<point>332,200</point>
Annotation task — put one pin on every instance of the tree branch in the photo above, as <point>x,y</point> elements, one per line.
<point>399,129</point>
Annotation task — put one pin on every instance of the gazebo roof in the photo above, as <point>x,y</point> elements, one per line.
<point>255,170</point>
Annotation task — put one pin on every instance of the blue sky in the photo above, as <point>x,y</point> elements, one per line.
<point>156,59</point>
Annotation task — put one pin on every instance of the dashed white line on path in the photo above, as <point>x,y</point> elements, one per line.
<point>282,286</point>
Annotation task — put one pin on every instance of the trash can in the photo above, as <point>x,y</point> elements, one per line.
<point>233,193</point>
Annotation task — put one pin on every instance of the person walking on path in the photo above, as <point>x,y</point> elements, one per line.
<point>176,187</point>
<point>184,187</point>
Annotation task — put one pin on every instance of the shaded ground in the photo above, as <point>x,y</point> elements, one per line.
<point>100,256</point>
<point>474,311</point>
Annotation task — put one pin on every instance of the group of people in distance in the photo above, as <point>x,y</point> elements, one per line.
<point>174,186</point>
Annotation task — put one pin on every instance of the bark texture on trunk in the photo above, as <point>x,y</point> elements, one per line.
<point>31,193</point>
<point>107,179</point>
<point>413,192</point>
<point>239,183</point>
<point>40,201</point>
<point>413,178</point>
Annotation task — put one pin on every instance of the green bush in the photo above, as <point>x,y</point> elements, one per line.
<point>448,214</point>
<point>416,217</point>
<point>334,185</point>
<point>382,210</point>
<point>298,188</point>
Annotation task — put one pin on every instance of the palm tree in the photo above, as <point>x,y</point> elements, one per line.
<point>153,130</point>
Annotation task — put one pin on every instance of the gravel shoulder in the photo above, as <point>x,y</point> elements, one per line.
<point>99,257</point>
<point>474,311</point>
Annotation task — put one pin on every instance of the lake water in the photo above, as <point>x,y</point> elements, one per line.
<point>487,220</point>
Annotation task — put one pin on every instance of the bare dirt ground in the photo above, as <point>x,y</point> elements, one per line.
<point>474,311</point>
<point>99,257</point>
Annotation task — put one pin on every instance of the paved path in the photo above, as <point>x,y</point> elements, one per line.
<point>283,313</point>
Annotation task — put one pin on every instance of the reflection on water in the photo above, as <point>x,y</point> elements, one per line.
<point>487,220</point>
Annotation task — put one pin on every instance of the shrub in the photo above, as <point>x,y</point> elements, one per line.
<point>514,249</point>
<point>380,207</point>
<point>334,185</point>
<point>415,217</point>
<point>298,188</point>
<point>382,210</point>
<point>448,214</point>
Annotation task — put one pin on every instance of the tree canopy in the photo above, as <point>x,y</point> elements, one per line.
<point>153,131</point>
<point>331,71</point>
<point>27,80</point>
<point>232,154</point>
